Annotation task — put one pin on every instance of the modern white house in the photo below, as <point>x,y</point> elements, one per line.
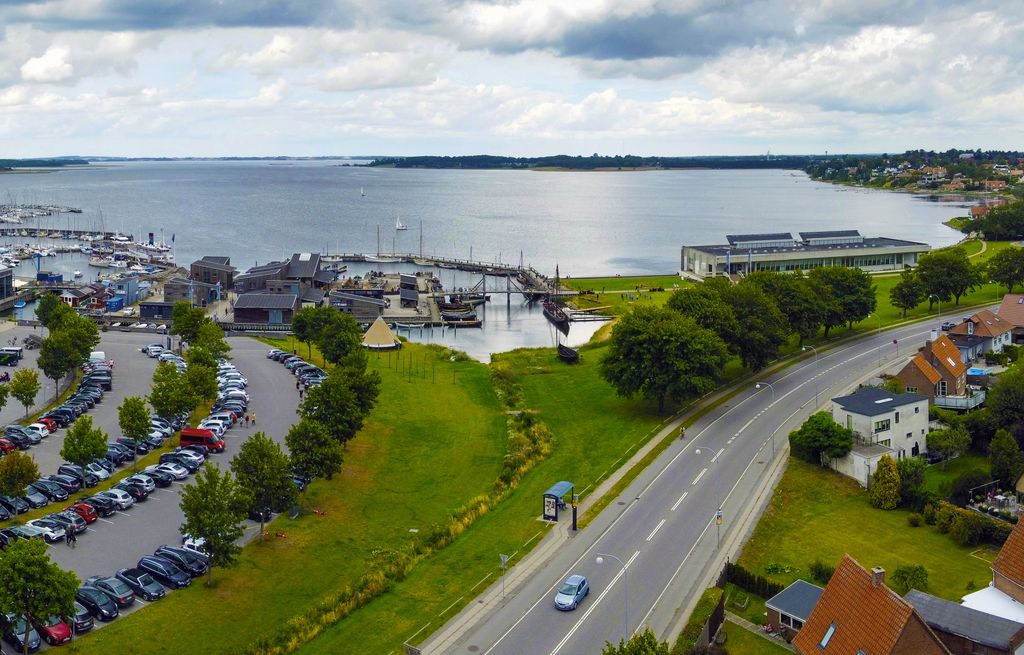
<point>883,423</point>
<point>746,253</point>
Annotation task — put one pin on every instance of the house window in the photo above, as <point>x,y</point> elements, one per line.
<point>827,637</point>
<point>941,388</point>
<point>917,410</point>
<point>911,389</point>
<point>897,418</point>
<point>887,443</point>
<point>882,426</point>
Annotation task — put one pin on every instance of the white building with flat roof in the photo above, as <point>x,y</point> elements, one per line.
<point>779,251</point>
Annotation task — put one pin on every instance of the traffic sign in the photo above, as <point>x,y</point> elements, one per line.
<point>718,517</point>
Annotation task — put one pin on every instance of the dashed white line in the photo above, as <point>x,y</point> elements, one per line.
<point>717,455</point>
<point>594,606</point>
<point>655,530</point>
<point>700,475</point>
<point>681,499</point>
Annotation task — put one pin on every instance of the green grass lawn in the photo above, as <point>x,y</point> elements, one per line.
<point>430,445</point>
<point>754,610</point>
<point>621,283</point>
<point>817,514</point>
<point>938,480</point>
<point>740,641</point>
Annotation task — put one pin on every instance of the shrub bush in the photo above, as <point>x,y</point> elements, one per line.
<point>929,514</point>
<point>821,572</point>
<point>914,520</point>
<point>755,584</point>
<point>944,519</point>
<point>698,619</point>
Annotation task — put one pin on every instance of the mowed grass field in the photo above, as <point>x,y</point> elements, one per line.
<point>818,515</point>
<point>430,445</point>
<point>587,444</point>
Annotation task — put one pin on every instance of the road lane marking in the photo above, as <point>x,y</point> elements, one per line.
<point>700,475</point>
<point>717,455</point>
<point>105,521</point>
<point>590,609</point>
<point>681,499</point>
<point>655,530</point>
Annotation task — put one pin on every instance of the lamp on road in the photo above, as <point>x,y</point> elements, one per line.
<point>937,300</point>
<point>625,584</point>
<point>769,385</point>
<point>818,369</point>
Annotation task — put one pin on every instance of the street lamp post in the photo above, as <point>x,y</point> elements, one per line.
<point>938,301</point>
<point>625,584</point>
<point>772,388</point>
<point>818,369</point>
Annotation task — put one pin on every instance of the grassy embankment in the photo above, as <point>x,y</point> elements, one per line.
<point>740,641</point>
<point>818,515</point>
<point>430,445</point>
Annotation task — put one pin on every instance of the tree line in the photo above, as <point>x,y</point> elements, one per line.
<point>595,161</point>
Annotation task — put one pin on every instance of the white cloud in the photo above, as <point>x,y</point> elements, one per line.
<point>51,66</point>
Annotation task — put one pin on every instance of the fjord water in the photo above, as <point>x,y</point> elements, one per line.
<point>589,223</point>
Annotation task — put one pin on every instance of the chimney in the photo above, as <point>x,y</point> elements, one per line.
<point>877,576</point>
<point>933,336</point>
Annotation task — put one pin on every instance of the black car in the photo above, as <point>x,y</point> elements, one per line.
<point>35,498</point>
<point>14,634</point>
<point>83,398</point>
<point>6,538</point>
<point>197,448</point>
<point>126,453</point>
<point>160,478</point>
<point>142,584</point>
<point>82,620</point>
<point>66,482</point>
<point>99,379</point>
<point>189,562</point>
<point>5,513</point>
<point>116,588</point>
<point>105,463</point>
<point>61,418</point>
<point>14,505</point>
<point>19,440</point>
<point>188,464</point>
<point>263,514</point>
<point>136,491</point>
<point>97,602</point>
<point>116,456</point>
<point>84,478</point>
<point>165,572</point>
<point>135,446</point>
<point>50,489</point>
<point>104,506</point>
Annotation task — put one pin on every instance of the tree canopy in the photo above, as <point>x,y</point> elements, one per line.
<point>662,355</point>
<point>25,387</point>
<point>852,291</point>
<point>1006,398</point>
<point>32,585</point>
<point>313,451</point>
<point>264,473</point>
<point>214,505</point>
<point>133,419</point>
<point>947,274</point>
<point>185,320</point>
<point>948,442</point>
<point>908,293</point>
<point>83,442</point>
<point>1007,267</point>
<point>342,401</point>
<point>821,438</point>
<point>16,470</point>
<point>57,357</point>
<point>170,394</point>
<point>309,324</point>
<point>885,484</point>
<point>1006,457</point>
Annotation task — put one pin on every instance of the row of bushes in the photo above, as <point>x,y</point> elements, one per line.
<point>528,442</point>
<point>966,527</point>
<point>752,582</point>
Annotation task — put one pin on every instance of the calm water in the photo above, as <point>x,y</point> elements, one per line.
<point>586,223</point>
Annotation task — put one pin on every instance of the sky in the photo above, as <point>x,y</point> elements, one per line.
<point>179,78</point>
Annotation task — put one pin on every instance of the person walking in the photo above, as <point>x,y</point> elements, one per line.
<point>253,417</point>
<point>68,534</point>
<point>246,420</point>
<point>302,390</point>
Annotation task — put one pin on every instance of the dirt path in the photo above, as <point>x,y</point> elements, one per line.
<point>984,247</point>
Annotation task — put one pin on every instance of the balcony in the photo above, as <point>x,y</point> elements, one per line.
<point>961,402</point>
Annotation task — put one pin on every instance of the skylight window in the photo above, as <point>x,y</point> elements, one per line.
<point>882,401</point>
<point>951,362</point>
<point>828,636</point>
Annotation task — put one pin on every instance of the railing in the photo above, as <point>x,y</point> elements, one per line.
<point>961,402</point>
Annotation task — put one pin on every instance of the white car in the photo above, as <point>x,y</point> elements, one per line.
<point>191,455</point>
<point>177,471</point>
<point>51,534</point>
<point>120,497</point>
<point>97,470</point>
<point>39,429</point>
<point>234,393</point>
<point>194,544</point>
<point>227,418</point>
<point>143,480</point>
<point>213,426</point>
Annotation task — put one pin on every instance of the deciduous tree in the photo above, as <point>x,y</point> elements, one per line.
<point>852,290</point>
<point>885,484</point>
<point>1006,398</point>
<point>32,585</point>
<point>705,305</point>
<point>821,437</point>
<point>641,643</point>
<point>948,274</point>
<point>662,355</point>
<point>25,387</point>
<point>1006,457</point>
<point>763,327</point>
<point>1007,268</point>
<point>911,470</point>
<point>309,323</point>
<point>342,401</point>
<point>214,505</point>
<point>210,337</point>
<point>909,576</point>
<point>264,472</point>
<point>908,293</point>
<point>57,357</point>
<point>341,341</point>
<point>133,419</point>
<point>949,442</point>
<point>16,470</point>
<point>83,442</point>
<point>201,381</point>
<point>185,320</point>
<point>313,451</point>
<point>169,395</point>
<point>45,306</point>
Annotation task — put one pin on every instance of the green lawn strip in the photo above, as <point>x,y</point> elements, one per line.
<point>622,283</point>
<point>818,515</point>
<point>736,598</point>
<point>740,641</point>
<point>937,480</point>
<point>427,448</point>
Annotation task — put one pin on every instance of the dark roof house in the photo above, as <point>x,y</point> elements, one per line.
<point>966,630</point>
<point>872,401</point>
<point>789,609</point>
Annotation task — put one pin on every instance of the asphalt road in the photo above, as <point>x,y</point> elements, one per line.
<point>662,526</point>
<point>122,539</point>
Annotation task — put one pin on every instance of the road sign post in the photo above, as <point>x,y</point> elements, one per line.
<point>718,525</point>
<point>575,502</point>
<point>504,566</point>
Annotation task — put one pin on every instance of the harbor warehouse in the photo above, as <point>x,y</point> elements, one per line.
<point>746,253</point>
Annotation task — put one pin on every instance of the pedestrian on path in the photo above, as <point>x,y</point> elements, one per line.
<point>301,391</point>
<point>68,534</point>
<point>253,417</point>
<point>246,420</point>
<point>297,383</point>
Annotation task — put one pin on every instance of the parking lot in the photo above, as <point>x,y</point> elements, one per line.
<point>124,537</point>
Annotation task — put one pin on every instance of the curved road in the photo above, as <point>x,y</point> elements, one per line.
<point>663,527</point>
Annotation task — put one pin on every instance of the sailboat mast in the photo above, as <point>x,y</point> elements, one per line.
<point>378,240</point>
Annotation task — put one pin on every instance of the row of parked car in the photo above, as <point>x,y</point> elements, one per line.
<point>309,375</point>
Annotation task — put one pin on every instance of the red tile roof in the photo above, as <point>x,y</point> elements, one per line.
<point>1012,309</point>
<point>986,324</point>
<point>867,618</point>
<point>1010,561</point>
<point>947,356</point>
<point>926,368</point>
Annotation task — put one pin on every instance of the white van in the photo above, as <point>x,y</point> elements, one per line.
<point>97,356</point>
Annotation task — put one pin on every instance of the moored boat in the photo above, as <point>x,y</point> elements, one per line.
<point>567,354</point>
<point>556,315</point>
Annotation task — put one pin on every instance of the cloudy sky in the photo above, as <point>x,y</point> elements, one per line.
<point>516,77</point>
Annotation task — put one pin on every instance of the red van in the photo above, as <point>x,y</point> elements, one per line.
<point>200,437</point>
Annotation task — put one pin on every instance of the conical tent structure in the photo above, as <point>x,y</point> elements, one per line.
<point>380,336</point>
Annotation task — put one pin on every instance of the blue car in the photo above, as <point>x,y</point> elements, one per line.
<point>571,593</point>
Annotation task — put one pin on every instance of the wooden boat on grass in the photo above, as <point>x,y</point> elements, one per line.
<point>567,354</point>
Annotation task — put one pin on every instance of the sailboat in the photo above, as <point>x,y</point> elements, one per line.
<point>361,192</point>
<point>553,312</point>
<point>378,259</point>
<point>399,225</point>
<point>78,273</point>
